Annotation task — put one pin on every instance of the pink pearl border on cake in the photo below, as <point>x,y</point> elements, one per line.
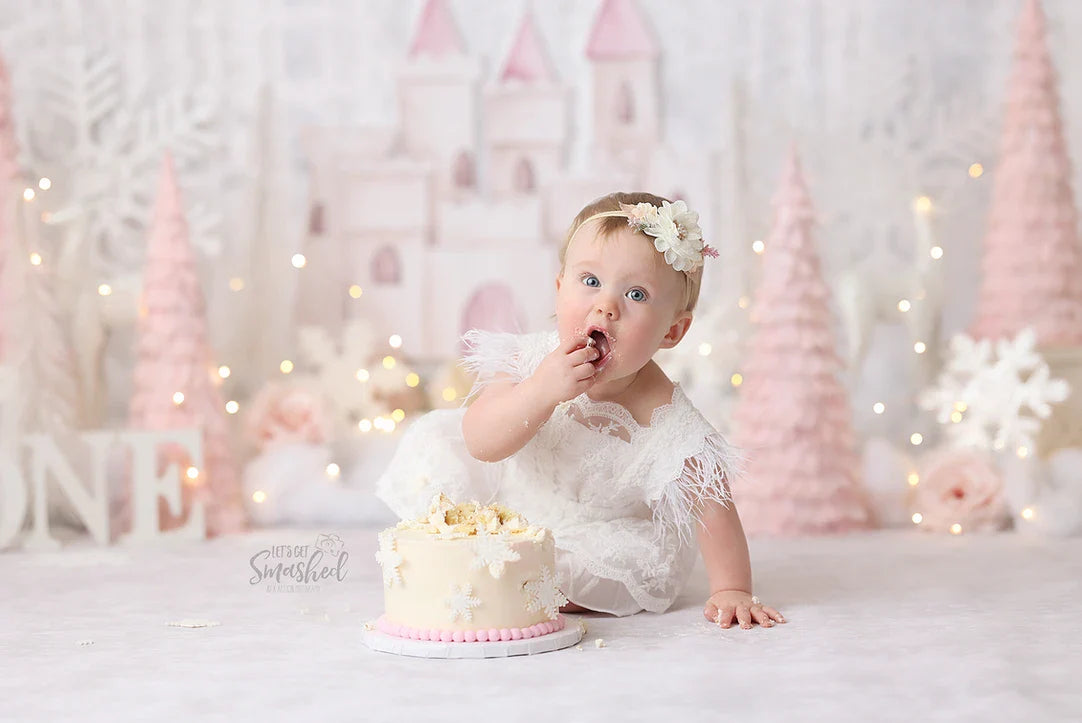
<point>469,636</point>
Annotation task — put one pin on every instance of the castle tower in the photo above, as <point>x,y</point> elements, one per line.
<point>525,118</point>
<point>624,54</point>
<point>437,97</point>
<point>370,222</point>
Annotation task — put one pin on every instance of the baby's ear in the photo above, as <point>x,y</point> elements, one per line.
<point>677,331</point>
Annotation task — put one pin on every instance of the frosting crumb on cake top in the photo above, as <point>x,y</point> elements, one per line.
<point>468,519</point>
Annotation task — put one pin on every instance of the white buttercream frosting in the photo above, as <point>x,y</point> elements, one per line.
<point>469,519</point>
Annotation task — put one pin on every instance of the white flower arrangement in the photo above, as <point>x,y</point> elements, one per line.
<point>675,230</point>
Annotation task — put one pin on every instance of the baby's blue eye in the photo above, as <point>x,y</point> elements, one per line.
<point>591,280</point>
<point>637,295</point>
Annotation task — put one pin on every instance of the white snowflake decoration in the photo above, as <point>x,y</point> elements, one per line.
<point>461,602</point>
<point>493,551</point>
<point>994,403</point>
<point>333,368</point>
<point>542,594</point>
<point>112,136</point>
<point>389,559</point>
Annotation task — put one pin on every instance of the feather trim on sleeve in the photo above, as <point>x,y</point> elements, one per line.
<point>705,478</point>
<point>489,353</point>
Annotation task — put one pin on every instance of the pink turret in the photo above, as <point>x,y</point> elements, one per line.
<point>528,62</point>
<point>620,32</point>
<point>625,63</point>
<point>526,111</point>
<point>437,34</point>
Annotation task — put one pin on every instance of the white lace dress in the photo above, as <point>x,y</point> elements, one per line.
<point>620,498</point>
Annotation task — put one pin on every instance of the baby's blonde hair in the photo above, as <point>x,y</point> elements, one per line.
<point>611,224</point>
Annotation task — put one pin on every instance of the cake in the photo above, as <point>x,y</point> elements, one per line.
<point>466,573</point>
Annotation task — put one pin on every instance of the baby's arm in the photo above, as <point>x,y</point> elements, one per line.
<point>724,548</point>
<point>503,418</point>
<point>506,415</point>
<point>728,567</point>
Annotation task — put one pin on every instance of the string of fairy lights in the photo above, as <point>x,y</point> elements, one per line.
<point>922,207</point>
<point>385,423</point>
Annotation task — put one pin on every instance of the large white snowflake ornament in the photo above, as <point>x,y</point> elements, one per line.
<point>389,559</point>
<point>341,370</point>
<point>104,134</point>
<point>493,551</point>
<point>542,594</point>
<point>461,602</point>
<point>994,400</point>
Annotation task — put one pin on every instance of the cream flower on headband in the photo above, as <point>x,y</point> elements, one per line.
<point>675,230</point>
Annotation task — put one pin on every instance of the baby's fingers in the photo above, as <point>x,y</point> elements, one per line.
<point>711,612</point>
<point>585,354</point>
<point>584,371</point>
<point>774,614</point>
<point>760,615</point>
<point>573,342</point>
<point>725,616</point>
<point>743,614</point>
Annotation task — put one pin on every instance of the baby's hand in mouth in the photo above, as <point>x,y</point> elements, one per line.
<point>600,341</point>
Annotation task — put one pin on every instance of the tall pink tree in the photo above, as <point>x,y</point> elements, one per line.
<point>9,171</point>
<point>173,358</point>
<point>792,417</point>
<point>1032,265</point>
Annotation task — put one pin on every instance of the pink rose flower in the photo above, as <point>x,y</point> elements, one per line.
<point>960,486</point>
<point>283,414</point>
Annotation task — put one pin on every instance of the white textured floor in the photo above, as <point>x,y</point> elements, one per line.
<point>884,626</point>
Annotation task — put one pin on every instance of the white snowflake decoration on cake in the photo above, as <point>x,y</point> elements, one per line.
<point>461,602</point>
<point>493,551</point>
<point>389,559</point>
<point>542,594</point>
<point>992,401</point>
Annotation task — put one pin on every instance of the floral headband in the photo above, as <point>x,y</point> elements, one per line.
<point>675,230</point>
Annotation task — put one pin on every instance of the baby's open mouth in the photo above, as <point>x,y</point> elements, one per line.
<point>602,342</point>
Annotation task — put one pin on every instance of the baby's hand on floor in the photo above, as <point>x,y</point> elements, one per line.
<point>724,605</point>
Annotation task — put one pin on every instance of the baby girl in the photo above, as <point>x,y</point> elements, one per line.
<point>581,431</point>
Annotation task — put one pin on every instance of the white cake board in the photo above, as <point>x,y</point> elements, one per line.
<point>565,638</point>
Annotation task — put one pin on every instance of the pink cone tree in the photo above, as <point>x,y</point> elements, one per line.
<point>792,417</point>
<point>9,171</point>
<point>1032,264</point>
<point>173,357</point>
